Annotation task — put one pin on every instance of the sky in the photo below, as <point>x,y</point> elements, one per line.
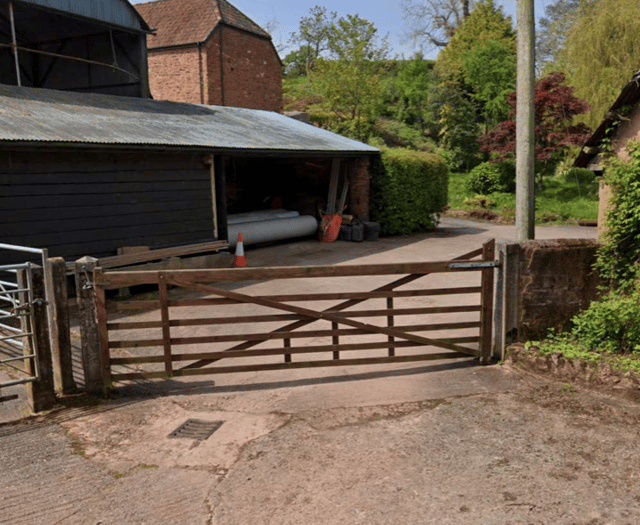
<point>385,14</point>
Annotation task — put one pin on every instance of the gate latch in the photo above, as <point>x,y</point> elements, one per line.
<point>21,309</point>
<point>26,308</point>
<point>474,265</point>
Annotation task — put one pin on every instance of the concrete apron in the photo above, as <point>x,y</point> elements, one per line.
<point>255,404</point>
<point>251,405</point>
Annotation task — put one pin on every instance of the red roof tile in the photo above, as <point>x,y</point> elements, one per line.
<point>180,22</point>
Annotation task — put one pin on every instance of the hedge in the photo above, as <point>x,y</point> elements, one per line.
<point>408,189</point>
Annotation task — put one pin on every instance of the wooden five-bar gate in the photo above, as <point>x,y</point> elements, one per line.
<point>231,325</point>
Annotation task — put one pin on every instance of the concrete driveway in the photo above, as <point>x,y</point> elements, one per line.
<point>386,444</point>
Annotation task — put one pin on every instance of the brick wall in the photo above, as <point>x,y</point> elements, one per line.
<point>252,73</point>
<point>213,90</point>
<point>556,281</point>
<point>174,74</point>
<point>358,174</point>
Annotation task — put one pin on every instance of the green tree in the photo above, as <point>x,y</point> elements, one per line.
<point>351,80</point>
<point>413,84</point>
<point>434,22</point>
<point>297,62</point>
<point>458,111</point>
<point>490,71</point>
<point>458,126</point>
<point>486,22</point>
<point>553,28</point>
<point>601,53</point>
<point>312,37</point>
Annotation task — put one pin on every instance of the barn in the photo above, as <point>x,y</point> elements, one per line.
<point>91,165</point>
<point>89,174</point>
<point>82,46</point>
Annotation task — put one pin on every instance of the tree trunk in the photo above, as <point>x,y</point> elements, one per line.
<point>465,8</point>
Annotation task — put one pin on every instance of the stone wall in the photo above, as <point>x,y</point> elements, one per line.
<point>556,281</point>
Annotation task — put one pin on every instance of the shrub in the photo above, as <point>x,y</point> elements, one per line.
<point>489,177</point>
<point>620,253</point>
<point>610,325</point>
<point>408,190</point>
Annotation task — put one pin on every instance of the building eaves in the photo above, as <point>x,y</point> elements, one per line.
<point>40,116</point>
<point>119,13</point>
<point>627,99</point>
<point>233,17</point>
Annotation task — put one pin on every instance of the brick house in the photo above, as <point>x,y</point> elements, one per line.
<point>621,124</point>
<point>208,52</point>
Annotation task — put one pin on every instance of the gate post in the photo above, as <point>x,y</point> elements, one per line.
<point>507,302</point>
<point>92,361</point>
<point>40,393</point>
<point>486,314</point>
<point>60,329</point>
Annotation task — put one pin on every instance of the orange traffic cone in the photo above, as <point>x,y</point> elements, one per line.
<point>239,261</point>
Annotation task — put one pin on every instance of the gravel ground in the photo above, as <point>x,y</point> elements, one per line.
<point>540,453</point>
<point>545,455</point>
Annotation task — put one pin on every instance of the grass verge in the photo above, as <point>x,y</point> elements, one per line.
<point>559,202</point>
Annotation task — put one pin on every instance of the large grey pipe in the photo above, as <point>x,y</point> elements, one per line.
<point>273,230</point>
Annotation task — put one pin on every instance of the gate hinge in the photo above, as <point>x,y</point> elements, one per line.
<point>474,265</point>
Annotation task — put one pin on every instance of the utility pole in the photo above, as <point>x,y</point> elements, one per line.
<point>525,122</point>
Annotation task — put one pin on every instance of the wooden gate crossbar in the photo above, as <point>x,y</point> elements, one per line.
<point>119,279</point>
<point>206,321</point>
<point>224,354</point>
<point>306,334</point>
<point>263,367</point>
<point>401,336</point>
<point>338,296</point>
<point>388,288</point>
<point>325,315</point>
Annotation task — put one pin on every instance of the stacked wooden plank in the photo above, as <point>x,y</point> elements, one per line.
<point>163,253</point>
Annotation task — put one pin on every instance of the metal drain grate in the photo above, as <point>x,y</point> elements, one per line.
<point>196,429</point>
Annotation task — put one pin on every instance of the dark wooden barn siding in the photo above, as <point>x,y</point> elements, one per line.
<point>92,203</point>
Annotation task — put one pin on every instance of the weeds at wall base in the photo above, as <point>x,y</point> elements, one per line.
<point>603,373</point>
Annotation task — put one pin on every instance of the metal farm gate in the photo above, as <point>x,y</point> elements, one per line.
<point>219,321</point>
<point>23,303</point>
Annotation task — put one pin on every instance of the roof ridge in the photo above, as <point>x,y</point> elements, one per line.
<point>258,29</point>
<point>151,2</point>
<point>182,22</point>
<point>216,6</point>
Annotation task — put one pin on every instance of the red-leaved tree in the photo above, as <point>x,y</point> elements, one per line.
<point>555,109</point>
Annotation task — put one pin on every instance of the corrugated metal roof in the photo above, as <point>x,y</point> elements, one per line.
<point>42,115</point>
<point>117,12</point>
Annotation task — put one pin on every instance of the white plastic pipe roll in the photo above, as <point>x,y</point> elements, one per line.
<point>261,215</point>
<point>273,230</point>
